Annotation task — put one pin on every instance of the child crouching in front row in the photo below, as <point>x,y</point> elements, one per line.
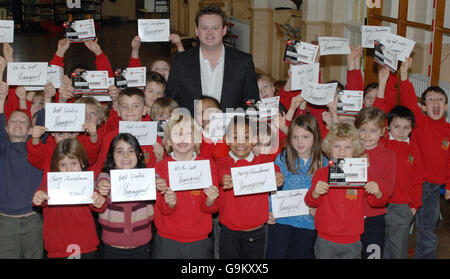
<point>339,219</point>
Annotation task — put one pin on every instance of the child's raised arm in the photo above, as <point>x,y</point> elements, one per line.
<point>8,52</point>
<point>101,60</point>
<point>3,96</point>
<point>354,77</point>
<point>135,61</point>
<point>175,40</point>
<point>58,58</point>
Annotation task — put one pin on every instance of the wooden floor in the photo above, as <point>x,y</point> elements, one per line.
<point>115,40</point>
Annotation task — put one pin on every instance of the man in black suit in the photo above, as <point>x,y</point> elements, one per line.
<point>212,69</point>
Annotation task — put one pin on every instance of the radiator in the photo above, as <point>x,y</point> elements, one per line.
<point>422,82</point>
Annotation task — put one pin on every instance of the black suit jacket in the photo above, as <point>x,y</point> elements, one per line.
<point>239,79</point>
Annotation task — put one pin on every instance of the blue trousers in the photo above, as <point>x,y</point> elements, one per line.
<point>427,218</point>
<point>288,242</point>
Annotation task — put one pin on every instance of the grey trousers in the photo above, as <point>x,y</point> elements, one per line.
<point>21,237</point>
<point>324,249</point>
<point>398,221</point>
<point>165,248</point>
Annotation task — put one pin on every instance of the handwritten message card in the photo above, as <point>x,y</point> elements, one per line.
<point>27,73</point>
<point>289,203</point>
<point>189,175</point>
<point>154,30</point>
<point>64,188</point>
<point>254,179</point>
<point>54,75</point>
<point>300,74</point>
<point>144,131</point>
<point>61,117</point>
<point>401,47</point>
<point>218,124</point>
<point>319,94</point>
<point>136,76</point>
<point>371,33</point>
<point>333,45</point>
<point>133,185</point>
<point>6,31</point>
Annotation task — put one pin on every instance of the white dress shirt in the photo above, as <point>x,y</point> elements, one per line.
<point>212,79</point>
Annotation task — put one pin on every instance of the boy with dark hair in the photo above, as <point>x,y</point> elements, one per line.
<point>407,195</point>
<point>131,107</point>
<point>433,135</point>
<point>242,234</point>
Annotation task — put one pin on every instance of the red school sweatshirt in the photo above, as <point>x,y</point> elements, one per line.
<point>339,218</point>
<point>245,212</point>
<point>65,225</point>
<point>382,169</point>
<point>209,149</point>
<point>190,220</point>
<point>433,137</point>
<point>409,171</point>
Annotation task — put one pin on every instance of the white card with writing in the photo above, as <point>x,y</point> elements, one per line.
<point>189,175</point>
<point>98,80</point>
<point>133,185</point>
<point>27,73</point>
<point>254,179</point>
<point>54,75</point>
<point>85,28</point>
<point>154,30</point>
<point>371,33</point>
<point>65,188</point>
<point>218,123</point>
<point>289,203</point>
<point>306,53</point>
<point>350,102</point>
<point>333,46</point>
<point>300,74</point>
<point>401,47</point>
<point>60,117</point>
<point>6,31</point>
<point>144,131</point>
<point>136,76</point>
<point>319,94</point>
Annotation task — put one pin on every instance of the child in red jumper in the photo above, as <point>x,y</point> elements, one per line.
<point>371,123</point>
<point>407,195</point>
<point>433,135</point>
<point>131,108</point>
<point>242,234</point>
<point>183,219</point>
<point>339,218</point>
<point>70,224</point>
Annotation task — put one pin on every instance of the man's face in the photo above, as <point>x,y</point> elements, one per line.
<point>18,126</point>
<point>435,105</point>
<point>210,30</point>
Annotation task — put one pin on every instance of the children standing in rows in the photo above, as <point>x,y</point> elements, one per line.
<point>294,237</point>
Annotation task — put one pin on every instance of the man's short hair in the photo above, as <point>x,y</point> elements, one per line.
<point>211,10</point>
